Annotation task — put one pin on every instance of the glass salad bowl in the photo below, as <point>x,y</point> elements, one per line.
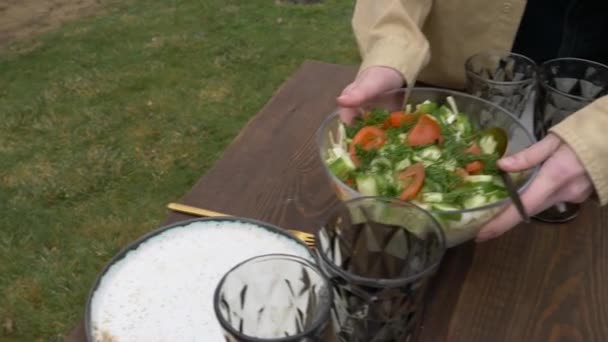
<point>480,196</point>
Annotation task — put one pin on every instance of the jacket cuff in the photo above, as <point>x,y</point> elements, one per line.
<point>578,132</point>
<point>398,54</point>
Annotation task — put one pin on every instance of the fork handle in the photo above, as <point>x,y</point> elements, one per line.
<point>182,208</point>
<point>186,209</point>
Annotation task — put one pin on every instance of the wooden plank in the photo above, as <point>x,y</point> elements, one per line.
<point>538,282</point>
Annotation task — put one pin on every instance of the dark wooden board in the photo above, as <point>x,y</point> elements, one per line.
<point>538,282</point>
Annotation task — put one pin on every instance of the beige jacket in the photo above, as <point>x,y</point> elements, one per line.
<point>434,38</point>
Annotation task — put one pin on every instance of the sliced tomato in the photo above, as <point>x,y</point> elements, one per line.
<point>398,119</point>
<point>474,167</point>
<point>461,172</point>
<point>350,181</point>
<point>426,131</point>
<point>412,179</point>
<point>367,137</point>
<point>473,149</point>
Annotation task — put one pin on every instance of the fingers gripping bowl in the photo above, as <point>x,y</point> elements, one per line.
<point>438,152</point>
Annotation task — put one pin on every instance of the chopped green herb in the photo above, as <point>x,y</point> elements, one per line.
<point>351,130</point>
<point>365,156</point>
<point>399,152</point>
<point>457,196</point>
<point>444,179</point>
<point>376,116</point>
<point>390,191</point>
<point>392,135</point>
<point>380,167</point>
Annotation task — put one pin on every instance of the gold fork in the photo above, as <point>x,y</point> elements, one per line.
<point>307,238</point>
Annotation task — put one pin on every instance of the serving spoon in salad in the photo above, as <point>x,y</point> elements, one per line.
<point>500,136</point>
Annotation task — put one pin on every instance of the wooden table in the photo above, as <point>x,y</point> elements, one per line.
<point>538,282</point>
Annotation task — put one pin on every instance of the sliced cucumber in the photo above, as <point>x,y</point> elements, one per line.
<point>497,196</point>
<point>341,153</point>
<point>403,164</point>
<point>475,201</point>
<point>430,197</point>
<point>444,207</point>
<point>341,168</point>
<point>442,112</point>
<point>366,185</point>
<point>430,153</point>
<point>483,187</point>
<point>447,207</point>
<point>479,179</point>
<point>380,164</point>
<point>463,124</point>
<point>425,161</point>
<point>498,181</point>
<point>450,165</point>
<point>430,186</point>
<point>427,107</point>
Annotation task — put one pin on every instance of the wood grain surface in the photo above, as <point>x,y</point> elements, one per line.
<point>538,282</point>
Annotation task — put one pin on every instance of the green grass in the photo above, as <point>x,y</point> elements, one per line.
<point>107,119</point>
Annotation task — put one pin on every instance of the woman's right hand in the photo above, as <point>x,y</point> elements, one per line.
<point>369,83</point>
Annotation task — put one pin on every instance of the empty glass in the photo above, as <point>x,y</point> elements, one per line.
<point>274,297</point>
<point>379,255</point>
<point>506,79</point>
<point>565,85</point>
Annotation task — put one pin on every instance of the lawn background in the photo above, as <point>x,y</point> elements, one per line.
<point>109,118</point>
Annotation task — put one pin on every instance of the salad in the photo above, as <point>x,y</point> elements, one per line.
<point>431,155</point>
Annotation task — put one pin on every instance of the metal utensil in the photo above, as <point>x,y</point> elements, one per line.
<point>307,238</point>
<point>501,137</point>
<point>408,90</point>
<point>512,190</point>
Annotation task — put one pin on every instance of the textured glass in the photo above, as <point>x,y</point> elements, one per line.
<point>503,78</point>
<point>379,254</point>
<point>273,298</point>
<point>565,85</point>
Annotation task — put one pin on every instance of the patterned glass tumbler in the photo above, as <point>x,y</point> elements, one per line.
<point>503,78</point>
<point>565,85</point>
<point>379,255</point>
<point>273,298</point>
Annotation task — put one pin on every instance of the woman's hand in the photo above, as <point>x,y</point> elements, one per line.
<point>369,83</point>
<point>562,178</point>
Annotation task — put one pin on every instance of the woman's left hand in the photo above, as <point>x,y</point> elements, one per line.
<point>562,178</point>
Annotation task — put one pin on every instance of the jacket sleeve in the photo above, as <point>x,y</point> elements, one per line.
<point>586,132</point>
<point>388,33</point>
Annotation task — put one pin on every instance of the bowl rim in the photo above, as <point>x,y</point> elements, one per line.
<point>120,255</point>
<point>507,200</point>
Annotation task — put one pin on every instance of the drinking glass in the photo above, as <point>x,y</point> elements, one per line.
<point>565,85</point>
<point>379,254</point>
<point>503,78</point>
<point>273,298</point>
